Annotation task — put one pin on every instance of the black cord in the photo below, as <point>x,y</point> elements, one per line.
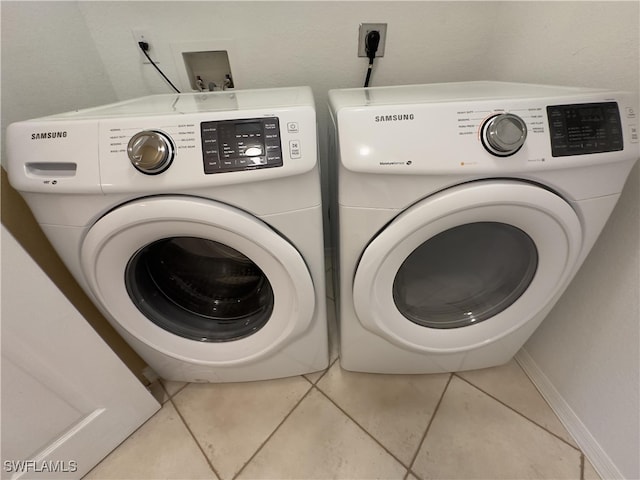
<point>371,42</point>
<point>366,80</point>
<point>144,46</point>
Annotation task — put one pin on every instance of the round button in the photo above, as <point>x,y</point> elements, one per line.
<point>150,151</point>
<point>504,134</point>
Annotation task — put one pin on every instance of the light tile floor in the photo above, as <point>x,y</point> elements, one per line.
<point>484,424</point>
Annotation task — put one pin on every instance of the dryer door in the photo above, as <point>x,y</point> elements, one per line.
<point>467,266</point>
<point>198,280</point>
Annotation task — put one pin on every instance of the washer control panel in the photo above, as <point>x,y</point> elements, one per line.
<point>238,145</point>
<point>584,128</point>
<point>168,143</point>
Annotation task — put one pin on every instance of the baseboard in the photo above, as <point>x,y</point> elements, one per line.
<point>583,437</point>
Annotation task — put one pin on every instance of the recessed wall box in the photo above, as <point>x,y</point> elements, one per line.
<point>204,66</point>
<point>208,70</point>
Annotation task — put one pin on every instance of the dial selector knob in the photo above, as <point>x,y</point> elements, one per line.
<point>504,134</point>
<point>151,151</point>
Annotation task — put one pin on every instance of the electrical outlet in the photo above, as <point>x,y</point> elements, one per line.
<point>362,35</point>
<point>141,35</point>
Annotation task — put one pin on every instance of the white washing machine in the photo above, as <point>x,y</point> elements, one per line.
<point>463,212</point>
<point>194,222</point>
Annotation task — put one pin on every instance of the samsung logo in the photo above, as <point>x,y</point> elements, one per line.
<point>394,118</point>
<point>44,135</point>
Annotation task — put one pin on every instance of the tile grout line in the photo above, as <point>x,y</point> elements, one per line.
<point>542,427</point>
<point>270,436</point>
<point>169,396</point>
<point>323,373</point>
<point>426,431</point>
<point>359,426</point>
<point>213,469</point>
<point>170,399</point>
<point>164,389</point>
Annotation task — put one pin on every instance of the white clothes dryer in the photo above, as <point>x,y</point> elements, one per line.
<point>463,212</point>
<point>194,222</point>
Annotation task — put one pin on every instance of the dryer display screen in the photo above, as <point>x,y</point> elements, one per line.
<point>584,128</point>
<point>237,145</point>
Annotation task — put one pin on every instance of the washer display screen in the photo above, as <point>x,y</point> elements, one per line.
<point>237,145</point>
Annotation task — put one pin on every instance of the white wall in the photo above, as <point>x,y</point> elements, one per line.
<point>590,44</point>
<point>49,61</point>
<point>588,347</point>
<point>294,43</point>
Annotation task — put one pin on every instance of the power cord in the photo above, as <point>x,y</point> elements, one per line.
<point>144,46</point>
<point>371,42</point>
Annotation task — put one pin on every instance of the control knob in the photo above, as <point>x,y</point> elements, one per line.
<point>504,134</point>
<point>151,151</point>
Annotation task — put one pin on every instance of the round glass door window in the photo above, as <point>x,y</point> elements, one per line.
<point>465,275</point>
<point>199,289</point>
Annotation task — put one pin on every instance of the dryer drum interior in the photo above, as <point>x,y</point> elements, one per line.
<point>199,289</point>
<point>465,275</point>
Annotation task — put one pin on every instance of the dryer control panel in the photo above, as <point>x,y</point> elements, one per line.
<point>482,128</point>
<point>584,128</point>
<point>237,145</point>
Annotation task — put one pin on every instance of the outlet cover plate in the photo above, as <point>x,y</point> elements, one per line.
<point>362,34</point>
<point>142,35</point>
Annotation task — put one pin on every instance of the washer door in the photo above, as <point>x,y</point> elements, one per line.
<point>197,280</point>
<point>466,266</point>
